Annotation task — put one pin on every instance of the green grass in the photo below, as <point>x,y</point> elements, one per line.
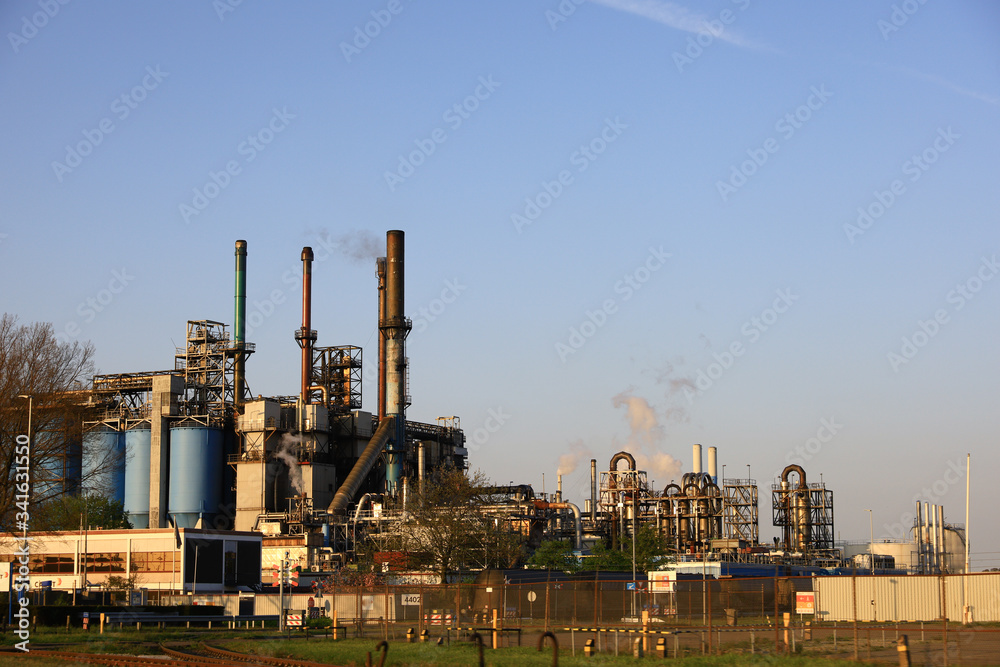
<point>352,652</point>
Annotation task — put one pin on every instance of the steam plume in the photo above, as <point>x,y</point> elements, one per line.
<point>287,452</point>
<point>647,437</point>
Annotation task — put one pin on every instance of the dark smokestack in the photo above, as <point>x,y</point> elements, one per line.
<point>382,317</point>
<point>239,333</point>
<point>396,329</point>
<point>305,335</point>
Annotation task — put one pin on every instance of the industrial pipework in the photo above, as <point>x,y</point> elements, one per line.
<point>305,336</point>
<point>239,332</point>
<point>394,329</point>
<point>345,494</point>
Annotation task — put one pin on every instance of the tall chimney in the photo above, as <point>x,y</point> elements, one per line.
<point>558,487</point>
<point>396,328</point>
<point>942,546</point>
<point>593,490</point>
<point>306,336</point>
<point>713,469</point>
<point>239,333</point>
<point>696,459</point>
<point>380,272</point>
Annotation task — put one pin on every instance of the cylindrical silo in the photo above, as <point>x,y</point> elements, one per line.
<point>195,487</point>
<point>137,449</point>
<point>104,462</point>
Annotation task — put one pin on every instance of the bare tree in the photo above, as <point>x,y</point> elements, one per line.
<point>451,530</point>
<point>34,363</point>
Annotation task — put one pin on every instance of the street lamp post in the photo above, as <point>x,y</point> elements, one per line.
<point>871,543</point>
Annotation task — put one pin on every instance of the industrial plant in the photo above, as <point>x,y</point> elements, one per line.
<point>312,477</point>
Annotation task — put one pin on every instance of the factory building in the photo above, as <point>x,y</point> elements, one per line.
<point>313,475</point>
<point>188,446</point>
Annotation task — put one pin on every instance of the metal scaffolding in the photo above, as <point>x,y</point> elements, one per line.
<point>740,513</point>
<point>338,370</point>
<point>208,364</point>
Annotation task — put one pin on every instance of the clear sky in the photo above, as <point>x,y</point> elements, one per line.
<point>767,227</point>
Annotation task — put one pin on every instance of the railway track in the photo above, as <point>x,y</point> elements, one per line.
<point>216,657</point>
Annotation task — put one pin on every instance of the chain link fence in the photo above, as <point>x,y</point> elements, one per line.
<point>689,616</point>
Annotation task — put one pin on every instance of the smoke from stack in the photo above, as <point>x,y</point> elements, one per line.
<point>287,453</point>
<point>359,246</point>
<point>646,438</point>
<point>569,461</point>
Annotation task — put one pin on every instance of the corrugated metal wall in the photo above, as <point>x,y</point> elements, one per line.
<point>907,598</point>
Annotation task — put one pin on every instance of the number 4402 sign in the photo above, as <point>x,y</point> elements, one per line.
<point>411,600</point>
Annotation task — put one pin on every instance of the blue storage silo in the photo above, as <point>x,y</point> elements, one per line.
<point>137,446</point>
<point>196,482</point>
<point>104,462</point>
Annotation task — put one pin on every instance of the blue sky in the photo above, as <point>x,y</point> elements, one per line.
<point>771,226</point>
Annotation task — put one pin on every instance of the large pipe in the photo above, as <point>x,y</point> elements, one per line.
<point>919,539</point>
<point>696,459</point>
<point>396,327</point>
<point>362,467</point>
<point>932,516</point>
<point>420,471</point>
<point>305,336</point>
<point>943,550</point>
<point>365,499</point>
<point>622,456</point>
<point>239,332</point>
<point>713,470</point>
<point>593,490</point>
<point>382,316</point>
<point>576,518</point>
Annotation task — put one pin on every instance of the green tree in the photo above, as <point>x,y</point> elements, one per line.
<point>555,555</point>
<point>70,512</point>
<point>650,548</point>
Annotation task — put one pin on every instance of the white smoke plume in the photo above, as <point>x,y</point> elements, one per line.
<point>288,449</point>
<point>569,461</point>
<point>647,438</point>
